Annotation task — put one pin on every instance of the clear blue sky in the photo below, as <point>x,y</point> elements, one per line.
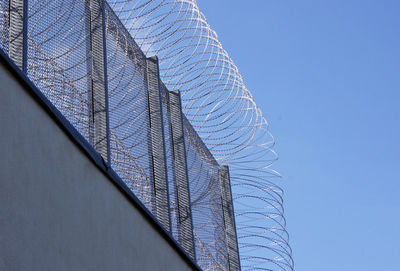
<point>327,76</point>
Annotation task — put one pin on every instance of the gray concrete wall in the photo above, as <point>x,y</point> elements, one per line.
<point>58,211</point>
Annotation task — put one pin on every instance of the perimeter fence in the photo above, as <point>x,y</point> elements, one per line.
<point>83,59</point>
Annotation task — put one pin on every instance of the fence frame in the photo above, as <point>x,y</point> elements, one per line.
<point>229,218</point>
<point>99,117</point>
<point>18,39</point>
<point>185,220</point>
<point>162,207</point>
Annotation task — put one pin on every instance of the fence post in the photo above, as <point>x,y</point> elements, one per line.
<point>229,219</point>
<point>185,222</point>
<point>162,211</point>
<point>99,120</point>
<point>18,33</point>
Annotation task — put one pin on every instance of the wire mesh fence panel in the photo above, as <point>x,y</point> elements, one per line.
<point>130,137</point>
<point>59,58</point>
<point>4,24</point>
<point>206,204</point>
<point>173,202</point>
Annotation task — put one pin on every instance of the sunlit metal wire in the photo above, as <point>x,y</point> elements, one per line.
<point>216,103</point>
<point>225,115</point>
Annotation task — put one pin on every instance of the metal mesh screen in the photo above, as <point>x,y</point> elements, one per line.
<point>130,138</point>
<point>59,59</point>
<point>206,204</point>
<point>4,25</point>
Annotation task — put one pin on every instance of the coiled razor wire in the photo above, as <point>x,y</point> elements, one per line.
<point>224,114</point>
<point>216,103</point>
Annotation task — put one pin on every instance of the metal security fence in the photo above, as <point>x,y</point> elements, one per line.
<point>83,59</point>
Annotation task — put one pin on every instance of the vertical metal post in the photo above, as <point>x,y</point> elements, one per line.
<point>229,219</point>
<point>185,222</point>
<point>162,211</point>
<point>99,119</point>
<point>18,33</point>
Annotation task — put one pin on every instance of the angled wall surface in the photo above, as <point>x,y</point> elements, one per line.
<point>58,211</point>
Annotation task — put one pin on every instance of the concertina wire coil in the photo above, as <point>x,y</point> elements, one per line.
<point>215,101</point>
<point>223,112</point>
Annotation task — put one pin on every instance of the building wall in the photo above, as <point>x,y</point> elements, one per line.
<point>58,211</point>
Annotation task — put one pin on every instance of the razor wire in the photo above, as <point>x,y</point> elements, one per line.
<point>216,103</point>
<point>223,112</point>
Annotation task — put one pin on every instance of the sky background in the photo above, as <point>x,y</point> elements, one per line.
<point>327,77</point>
